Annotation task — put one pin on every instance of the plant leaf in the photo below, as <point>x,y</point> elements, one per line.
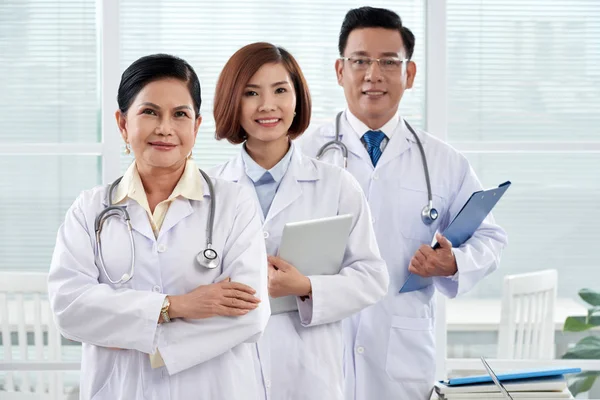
<point>582,382</point>
<point>590,296</point>
<point>581,323</point>
<point>587,348</point>
<point>576,324</point>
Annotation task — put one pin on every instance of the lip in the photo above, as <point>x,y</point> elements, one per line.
<point>162,146</point>
<point>374,93</point>
<point>268,122</point>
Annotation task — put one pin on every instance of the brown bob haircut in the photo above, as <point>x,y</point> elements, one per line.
<point>233,80</point>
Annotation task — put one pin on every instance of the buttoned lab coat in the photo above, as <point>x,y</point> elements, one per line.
<point>390,349</point>
<point>300,354</point>
<point>204,359</point>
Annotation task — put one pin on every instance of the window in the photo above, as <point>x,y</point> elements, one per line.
<point>206,34</point>
<point>50,131</point>
<point>523,101</point>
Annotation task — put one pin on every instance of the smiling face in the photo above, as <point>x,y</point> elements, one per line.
<point>268,104</point>
<point>160,125</point>
<point>373,95</point>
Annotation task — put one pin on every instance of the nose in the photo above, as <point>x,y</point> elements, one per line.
<point>164,127</point>
<point>267,103</point>
<point>373,73</point>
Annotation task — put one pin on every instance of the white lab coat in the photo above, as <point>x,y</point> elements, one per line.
<point>389,348</point>
<point>205,359</point>
<point>300,354</point>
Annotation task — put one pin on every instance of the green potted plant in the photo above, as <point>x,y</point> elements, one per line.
<point>587,348</point>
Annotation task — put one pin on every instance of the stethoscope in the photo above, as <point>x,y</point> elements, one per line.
<point>207,258</point>
<point>428,214</point>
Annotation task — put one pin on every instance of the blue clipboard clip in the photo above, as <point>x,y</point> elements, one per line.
<point>462,227</point>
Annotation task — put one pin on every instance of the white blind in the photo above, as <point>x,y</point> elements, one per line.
<point>206,34</point>
<point>523,70</point>
<point>48,94</point>
<point>48,65</point>
<point>529,71</point>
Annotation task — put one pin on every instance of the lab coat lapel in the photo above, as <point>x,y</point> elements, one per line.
<point>234,171</point>
<point>139,219</point>
<point>401,141</point>
<point>179,209</point>
<point>352,141</point>
<point>290,189</point>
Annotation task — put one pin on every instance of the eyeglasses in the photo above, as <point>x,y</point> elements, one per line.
<point>387,64</point>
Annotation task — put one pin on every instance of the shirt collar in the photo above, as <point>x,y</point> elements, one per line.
<point>190,185</point>
<point>255,171</point>
<point>361,128</point>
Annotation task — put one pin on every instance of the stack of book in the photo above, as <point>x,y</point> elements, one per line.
<point>531,384</point>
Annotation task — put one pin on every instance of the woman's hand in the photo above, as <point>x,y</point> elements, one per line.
<point>286,280</point>
<point>225,298</point>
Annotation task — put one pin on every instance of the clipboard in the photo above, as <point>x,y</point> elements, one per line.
<point>462,227</point>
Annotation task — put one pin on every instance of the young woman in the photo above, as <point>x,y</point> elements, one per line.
<point>262,101</point>
<point>162,296</point>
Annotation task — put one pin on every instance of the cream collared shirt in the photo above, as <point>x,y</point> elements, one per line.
<point>131,186</point>
<point>189,186</point>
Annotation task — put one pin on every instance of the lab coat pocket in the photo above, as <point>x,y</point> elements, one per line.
<point>104,358</point>
<point>410,203</point>
<point>411,352</point>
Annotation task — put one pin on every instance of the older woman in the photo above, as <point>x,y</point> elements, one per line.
<point>161,274</point>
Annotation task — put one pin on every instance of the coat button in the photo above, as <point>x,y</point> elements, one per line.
<point>162,248</point>
<point>360,349</point>
<point>156,289</point>
<point>375,177</point>
<point>268,384</point>
<point>266,234</point>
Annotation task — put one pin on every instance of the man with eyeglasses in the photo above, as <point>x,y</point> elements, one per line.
<point>415,185</point>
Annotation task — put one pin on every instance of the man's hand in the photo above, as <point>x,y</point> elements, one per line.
<point>428,262</point>
<point>286,280</point>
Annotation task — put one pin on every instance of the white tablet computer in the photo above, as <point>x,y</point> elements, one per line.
<point>315,247</point>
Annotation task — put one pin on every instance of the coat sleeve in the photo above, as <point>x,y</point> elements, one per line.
<point>478,256</point>
<point>185,343</point>
<point>363,279</point>
<point>91,312</point>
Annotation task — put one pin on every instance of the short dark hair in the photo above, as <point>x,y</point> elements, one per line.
<point>232,82</point>
<point>152,68</point>
<point>371,17</point>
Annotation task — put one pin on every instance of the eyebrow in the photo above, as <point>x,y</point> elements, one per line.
<point>386,54</point>
<point>184,107</point>
<point>251,85</point>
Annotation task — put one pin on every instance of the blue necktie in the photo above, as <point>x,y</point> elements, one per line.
<point>373,140</point>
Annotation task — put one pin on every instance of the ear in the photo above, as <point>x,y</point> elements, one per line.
<point>197,125</point>
<point>411,72</point>
<point>339,71</point>
<point>122,124</point>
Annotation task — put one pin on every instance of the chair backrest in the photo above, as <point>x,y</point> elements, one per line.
<point>527,317</point>
<point>25,315</point>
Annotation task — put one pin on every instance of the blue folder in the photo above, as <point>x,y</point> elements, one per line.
<point>462,227</point>
<point>512,376</point>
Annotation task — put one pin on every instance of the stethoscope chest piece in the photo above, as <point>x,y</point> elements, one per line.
<point>429,214</point>
<point>208,258</point>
